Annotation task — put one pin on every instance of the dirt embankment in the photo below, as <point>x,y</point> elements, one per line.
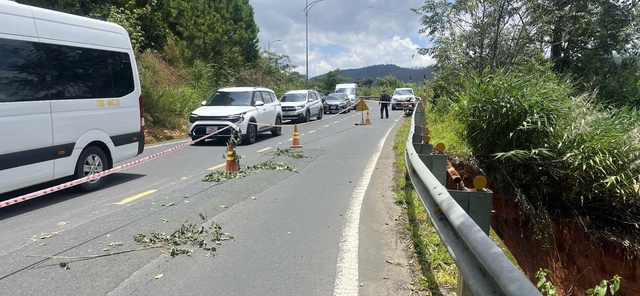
<point>577,260</point>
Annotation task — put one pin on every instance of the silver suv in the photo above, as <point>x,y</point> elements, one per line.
<point>249,110</point>
<point>301,105</point>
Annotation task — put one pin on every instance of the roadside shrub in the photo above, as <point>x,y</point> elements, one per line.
<point>559,154</point>
<point>598,153</point>
<point>506,111</point>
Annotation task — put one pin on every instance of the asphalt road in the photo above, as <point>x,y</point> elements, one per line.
<point>328,229</point>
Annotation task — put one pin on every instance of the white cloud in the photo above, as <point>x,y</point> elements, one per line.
<point>342,34</point>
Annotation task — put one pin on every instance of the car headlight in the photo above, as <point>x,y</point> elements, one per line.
<point>193,118</point>
<point>236,117</point>
<point>299,107</point>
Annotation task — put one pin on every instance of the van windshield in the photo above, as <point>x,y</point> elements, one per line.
<point>221,98</point>
<point>403,92</point>
<point>348,91</point>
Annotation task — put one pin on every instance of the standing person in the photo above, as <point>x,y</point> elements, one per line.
<point>384,103</point>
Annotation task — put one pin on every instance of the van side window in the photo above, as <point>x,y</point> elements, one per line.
<point>31,71</point>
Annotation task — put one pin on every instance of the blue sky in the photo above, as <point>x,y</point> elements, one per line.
<point>343,34</point>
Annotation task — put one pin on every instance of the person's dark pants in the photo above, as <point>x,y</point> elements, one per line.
<point>384,110</point>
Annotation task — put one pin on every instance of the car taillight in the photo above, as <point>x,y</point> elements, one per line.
<point>141,105</point>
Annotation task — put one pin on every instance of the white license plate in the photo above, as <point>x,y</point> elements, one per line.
<point>211,129</point>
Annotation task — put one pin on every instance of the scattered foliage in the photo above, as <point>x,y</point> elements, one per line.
<point>189,234</point>
<point>221,176</point>
<point>293,153</point>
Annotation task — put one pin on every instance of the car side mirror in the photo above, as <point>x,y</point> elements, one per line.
<point>203,103</point>
<point>259,103</point>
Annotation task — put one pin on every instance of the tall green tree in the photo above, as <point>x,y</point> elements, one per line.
<point>389,82</point>
<point>582,38</point>
<point>588,40</point>
<point>142,18</point>
<point>327,82</point>
<point>575,30</point>
<point>221,31</point>
<point>473,35</point>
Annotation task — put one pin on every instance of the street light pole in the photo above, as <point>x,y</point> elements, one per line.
<point>306,34</point>
<point>271,42</point>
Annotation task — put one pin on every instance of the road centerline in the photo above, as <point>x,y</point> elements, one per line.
<point>132,198</point>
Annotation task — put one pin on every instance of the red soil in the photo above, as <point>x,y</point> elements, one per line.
<point>577,260</point>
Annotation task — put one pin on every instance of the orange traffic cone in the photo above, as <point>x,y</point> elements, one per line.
<point>232,163</point>
<point>367,119</point>
<point>296,139</point>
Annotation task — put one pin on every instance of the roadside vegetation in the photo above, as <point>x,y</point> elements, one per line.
<point>560,133</point>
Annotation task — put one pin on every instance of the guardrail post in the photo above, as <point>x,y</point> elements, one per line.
<point>477,204</point>
<point>437,164</point>
<point>423,148</point>
<point>418,134</point>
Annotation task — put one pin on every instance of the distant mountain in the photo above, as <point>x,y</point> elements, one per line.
<point>378,71</point>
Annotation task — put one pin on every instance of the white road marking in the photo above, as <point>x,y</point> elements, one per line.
<point>346,283</point>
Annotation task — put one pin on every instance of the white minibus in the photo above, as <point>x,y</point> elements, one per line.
<point>351,89</point>
<point>70,98</point>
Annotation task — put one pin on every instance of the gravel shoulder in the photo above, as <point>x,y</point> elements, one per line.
<point>385,249</point>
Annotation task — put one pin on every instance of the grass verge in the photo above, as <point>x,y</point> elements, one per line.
<point>433,268</point>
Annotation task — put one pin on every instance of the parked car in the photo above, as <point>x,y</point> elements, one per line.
<point>402,96</point>
<point>325,106</point>
<point>301,105</point>
<point>249,110</point>
<point>338,102</point>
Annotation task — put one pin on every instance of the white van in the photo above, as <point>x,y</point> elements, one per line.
<point>351,89</point>
<point>70,98</point>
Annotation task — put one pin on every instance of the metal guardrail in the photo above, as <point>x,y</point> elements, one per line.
<point>483,266</point>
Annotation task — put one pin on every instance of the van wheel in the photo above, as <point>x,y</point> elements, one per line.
<point>252,134</point>
<point>278,129</point>
<point>91,161</point>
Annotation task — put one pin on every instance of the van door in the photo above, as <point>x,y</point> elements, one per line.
<point>26,152</point>
<point>26,137</point>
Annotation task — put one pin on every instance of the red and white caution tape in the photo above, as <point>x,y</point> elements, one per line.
<point>91,177</point>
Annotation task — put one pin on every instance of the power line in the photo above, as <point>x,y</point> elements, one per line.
<point>374,7</point>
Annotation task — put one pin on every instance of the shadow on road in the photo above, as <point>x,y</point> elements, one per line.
<point>55,197</point>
